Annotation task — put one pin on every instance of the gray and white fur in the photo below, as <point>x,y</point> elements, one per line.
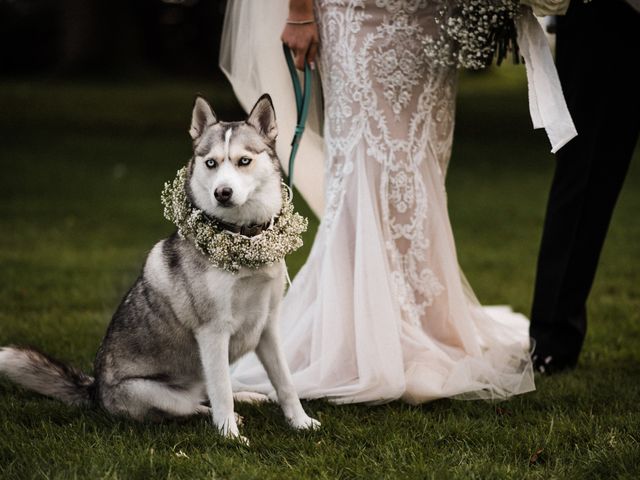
<point>170,342</point>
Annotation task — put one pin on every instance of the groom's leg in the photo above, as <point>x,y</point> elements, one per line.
<point>600,83</point>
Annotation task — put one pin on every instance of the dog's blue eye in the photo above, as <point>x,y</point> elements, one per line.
<point>211,163</point>
<point>244,161</point>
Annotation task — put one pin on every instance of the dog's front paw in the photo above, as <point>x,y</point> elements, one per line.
<point>236,437</point>
<point>304,423</point>
<point>242,440</point>
<point>228,428</point>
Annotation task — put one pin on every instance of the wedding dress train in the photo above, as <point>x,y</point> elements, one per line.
<point>381,311</point>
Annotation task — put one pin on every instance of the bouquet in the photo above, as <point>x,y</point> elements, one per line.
<point>472,33</point>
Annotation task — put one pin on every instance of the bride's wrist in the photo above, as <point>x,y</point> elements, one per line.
<point>300,11</point>
<point>308,21</point>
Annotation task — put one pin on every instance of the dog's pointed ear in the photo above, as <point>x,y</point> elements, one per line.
<point>201,117</point>
<point>263,117</point>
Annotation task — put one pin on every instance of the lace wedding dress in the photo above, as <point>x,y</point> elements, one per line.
<point>381,311</point>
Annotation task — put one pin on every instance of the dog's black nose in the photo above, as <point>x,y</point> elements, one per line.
<point>223,194</point>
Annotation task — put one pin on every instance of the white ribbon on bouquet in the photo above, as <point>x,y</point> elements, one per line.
<point>547,105</point>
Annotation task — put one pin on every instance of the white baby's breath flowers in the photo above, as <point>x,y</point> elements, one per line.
<point>226,250</point>
<point>471,33</point>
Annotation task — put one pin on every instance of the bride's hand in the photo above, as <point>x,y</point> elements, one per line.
<point>301,37</point>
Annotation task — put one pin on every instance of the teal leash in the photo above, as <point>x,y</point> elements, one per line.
<point>303,99</point>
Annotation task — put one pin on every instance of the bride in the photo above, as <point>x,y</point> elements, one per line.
<point>381,310</point>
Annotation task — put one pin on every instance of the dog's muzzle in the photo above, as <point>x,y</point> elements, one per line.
<point>223,195</point>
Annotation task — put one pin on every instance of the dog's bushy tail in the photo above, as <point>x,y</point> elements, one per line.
<point>39,372</point>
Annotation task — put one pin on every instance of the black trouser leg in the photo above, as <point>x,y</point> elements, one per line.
<point>597,52</point>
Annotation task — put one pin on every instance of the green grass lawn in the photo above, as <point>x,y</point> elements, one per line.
<point>82,167</point>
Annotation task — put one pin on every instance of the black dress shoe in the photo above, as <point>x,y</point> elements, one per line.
<point>548,364</point>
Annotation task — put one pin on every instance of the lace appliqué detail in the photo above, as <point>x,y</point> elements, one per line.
<point>408,6</point>
<point>399,60</point>
<point>387,104</point>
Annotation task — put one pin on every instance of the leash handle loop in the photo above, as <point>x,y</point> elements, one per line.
<point>303,100</point>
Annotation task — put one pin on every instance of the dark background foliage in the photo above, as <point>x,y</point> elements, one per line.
<point>110,37</point>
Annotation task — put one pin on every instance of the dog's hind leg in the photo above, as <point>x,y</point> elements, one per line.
<point>141,397</point>
<point>253,398</point>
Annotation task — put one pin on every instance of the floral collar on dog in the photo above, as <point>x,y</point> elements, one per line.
<point>233,248</point>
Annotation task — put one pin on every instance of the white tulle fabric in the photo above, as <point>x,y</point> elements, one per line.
<point>380,311</point>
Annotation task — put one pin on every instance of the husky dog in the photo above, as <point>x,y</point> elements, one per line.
<point>169,344</point>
